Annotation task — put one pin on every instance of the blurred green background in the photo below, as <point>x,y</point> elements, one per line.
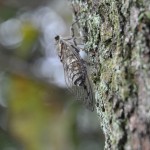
<point>36,111</point>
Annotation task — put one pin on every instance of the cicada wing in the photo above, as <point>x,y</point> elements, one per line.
<point>89,99</point>
<point>84,94</point>
<point>68,80</point>
<point>77,91</point>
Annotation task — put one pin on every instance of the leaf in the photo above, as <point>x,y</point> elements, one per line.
<point>35,113</point>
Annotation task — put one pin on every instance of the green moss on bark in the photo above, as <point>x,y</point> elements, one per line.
<point>117,43</point>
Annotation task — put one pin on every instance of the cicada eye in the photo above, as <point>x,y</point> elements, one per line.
<point>57,37</point>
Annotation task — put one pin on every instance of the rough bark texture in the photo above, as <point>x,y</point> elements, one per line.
<point>117,35</point>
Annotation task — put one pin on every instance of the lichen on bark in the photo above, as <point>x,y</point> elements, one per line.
<point>117,40</point>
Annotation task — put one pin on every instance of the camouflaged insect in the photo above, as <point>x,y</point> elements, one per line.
<point>75,71</point>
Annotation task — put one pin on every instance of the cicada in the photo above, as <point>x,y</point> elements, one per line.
<point>75,71</point>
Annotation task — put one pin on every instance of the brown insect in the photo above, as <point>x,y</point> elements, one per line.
<point>75,71</point>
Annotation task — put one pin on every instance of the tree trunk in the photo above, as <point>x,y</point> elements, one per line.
<point>117,39</point>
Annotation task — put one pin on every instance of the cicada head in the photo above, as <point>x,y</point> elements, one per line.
<point>58,44</point>
<point>57,38</point>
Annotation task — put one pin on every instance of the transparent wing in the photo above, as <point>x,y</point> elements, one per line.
<point>89,99</point>
<point>82,93</point>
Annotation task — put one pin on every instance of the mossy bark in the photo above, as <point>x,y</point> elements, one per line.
<point>117,39</point>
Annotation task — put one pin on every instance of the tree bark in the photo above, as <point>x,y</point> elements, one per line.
<point>117,40</point>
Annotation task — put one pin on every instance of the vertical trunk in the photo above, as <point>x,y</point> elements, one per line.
<point>117,35</point>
